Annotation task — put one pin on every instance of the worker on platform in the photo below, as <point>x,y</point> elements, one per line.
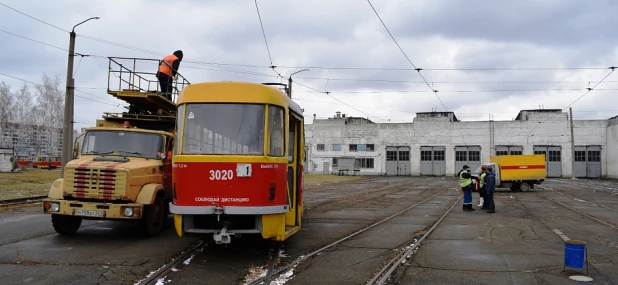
<point>481,186</point>
<point>167,71</point>
<point>465,181</point>
<point>490,189</point>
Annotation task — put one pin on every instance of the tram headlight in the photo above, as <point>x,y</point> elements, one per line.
<point>55,207</point>
<point>128,212</point>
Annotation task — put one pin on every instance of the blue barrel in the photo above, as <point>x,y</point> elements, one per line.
<point>574,253</point>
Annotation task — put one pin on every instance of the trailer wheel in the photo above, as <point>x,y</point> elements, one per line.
<point>152,222</point>
<point>66,225</point>
<point>524,187</point>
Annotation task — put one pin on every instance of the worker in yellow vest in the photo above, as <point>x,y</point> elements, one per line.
<point>481,186</point>
<point>465,182</point>
<point>167,71</point>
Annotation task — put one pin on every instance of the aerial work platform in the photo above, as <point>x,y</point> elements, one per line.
<point>134,81</point>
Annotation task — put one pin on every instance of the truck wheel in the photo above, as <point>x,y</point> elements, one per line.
<point>66,225</point>
<point>154,217</point>
<point>524,187</point>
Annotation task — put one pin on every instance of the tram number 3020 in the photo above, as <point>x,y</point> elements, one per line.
<point>221,174</point>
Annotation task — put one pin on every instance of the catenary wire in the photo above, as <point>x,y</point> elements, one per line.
<point>612,68</point>
<point>32,17</point>
<point>406,56</point>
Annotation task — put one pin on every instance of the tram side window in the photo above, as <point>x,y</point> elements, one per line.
<point>275,129</point>
<point>291,137</point>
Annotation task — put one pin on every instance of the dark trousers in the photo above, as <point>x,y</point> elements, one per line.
<point>489,199</point>
<point>166,85</point>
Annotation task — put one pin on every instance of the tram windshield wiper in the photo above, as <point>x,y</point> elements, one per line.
<point>138,153</point>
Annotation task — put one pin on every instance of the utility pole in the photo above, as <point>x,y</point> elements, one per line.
<point>67,130</point>
<point>290,82</point>
<point>572,145</point>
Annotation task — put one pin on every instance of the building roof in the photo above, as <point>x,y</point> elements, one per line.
<point>519,116</point>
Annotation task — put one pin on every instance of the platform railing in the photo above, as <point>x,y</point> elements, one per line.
<point>139,75</point>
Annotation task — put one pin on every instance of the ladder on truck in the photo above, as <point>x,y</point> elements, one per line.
<point>134,81</point>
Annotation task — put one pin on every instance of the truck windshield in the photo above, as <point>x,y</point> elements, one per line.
<point>122,143</point>
<point>223,129</point>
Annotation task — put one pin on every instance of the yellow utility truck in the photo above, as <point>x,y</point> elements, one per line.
<point>517,172</point>
<point>122,167</point>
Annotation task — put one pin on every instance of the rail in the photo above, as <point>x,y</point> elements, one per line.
<point>139,75</point>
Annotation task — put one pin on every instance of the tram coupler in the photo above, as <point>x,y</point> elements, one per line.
<point>222,237</point>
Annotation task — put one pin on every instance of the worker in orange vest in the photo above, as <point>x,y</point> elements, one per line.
<point>167,71</point>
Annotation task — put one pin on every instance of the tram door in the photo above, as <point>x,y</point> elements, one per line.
<point>295,149</point>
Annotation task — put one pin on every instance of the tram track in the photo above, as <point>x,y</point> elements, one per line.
<point>19,201</point>
<point>609,224</point>
<point>271,274</point>
<point>406,253</point>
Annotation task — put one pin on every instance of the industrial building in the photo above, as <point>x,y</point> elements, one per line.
<point>437,143</point>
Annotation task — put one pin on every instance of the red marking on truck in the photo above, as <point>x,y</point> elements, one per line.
<point>516,167</point>
<point>107,192</point>
<point>80,190</point>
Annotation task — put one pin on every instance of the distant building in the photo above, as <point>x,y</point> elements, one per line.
<point>31,140</point>
<point>437,143</point>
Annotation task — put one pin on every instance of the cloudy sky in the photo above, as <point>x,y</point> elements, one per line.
<point>484,57</point>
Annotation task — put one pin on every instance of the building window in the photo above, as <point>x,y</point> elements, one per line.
<point>370,147</point>
<point>404,155</point>
<point>580,156</point>
<point>516,152</point>
<point>554,155</point>
<point>461,156</point>
<point>336,147</point>
<point>391,155</point>
<point>335,161</point>
<point>438,155</point>
<point>501,152</point>
<point>353,147</point>
<point>361,147</point>
<point>320,146</point>
<point>363,163</point>
<point>594,156</point>
<point>426,155</point>
<point>474,155</point>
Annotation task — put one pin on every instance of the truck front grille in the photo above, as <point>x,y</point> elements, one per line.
<point>105,184</point>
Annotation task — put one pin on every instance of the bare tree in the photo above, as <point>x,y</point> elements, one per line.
<point>6,103</point>
<point>50,110</point>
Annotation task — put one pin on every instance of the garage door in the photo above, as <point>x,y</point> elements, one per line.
<point>398,160</point>
<point>467,155</point>
<point>509,150</point>
<point>553,159</point>
<point>588,161</point>
<point>433,160</point>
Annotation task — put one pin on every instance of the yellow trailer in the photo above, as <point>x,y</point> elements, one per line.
<point>518,172</point>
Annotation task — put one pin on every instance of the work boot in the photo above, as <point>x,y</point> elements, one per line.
<point>470,208</point>
<point>480,201</point>
<point>466,208</point>
<point>491,211</point>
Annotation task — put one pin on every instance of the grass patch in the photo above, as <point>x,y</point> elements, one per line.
<point>26,183</point>
<point>315,179</point>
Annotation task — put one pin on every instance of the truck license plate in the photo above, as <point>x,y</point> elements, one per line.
<point>89,213</point>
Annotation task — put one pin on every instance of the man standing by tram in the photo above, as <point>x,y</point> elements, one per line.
<point>167,71</point>
<point>465,181</point>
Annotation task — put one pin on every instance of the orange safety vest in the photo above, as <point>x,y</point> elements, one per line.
<point>166,65</point>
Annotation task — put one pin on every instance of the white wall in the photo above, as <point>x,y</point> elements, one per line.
<point>539,129</point>
<point>612,148</point>
<point>5,160</point>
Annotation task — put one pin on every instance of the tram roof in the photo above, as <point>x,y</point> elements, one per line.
<point>236,92</point>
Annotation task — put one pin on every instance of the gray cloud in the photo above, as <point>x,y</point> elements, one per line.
<point>435,34</point>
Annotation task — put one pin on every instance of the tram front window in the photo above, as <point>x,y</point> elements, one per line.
<point>122,143</point>
<point>223,129</point>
